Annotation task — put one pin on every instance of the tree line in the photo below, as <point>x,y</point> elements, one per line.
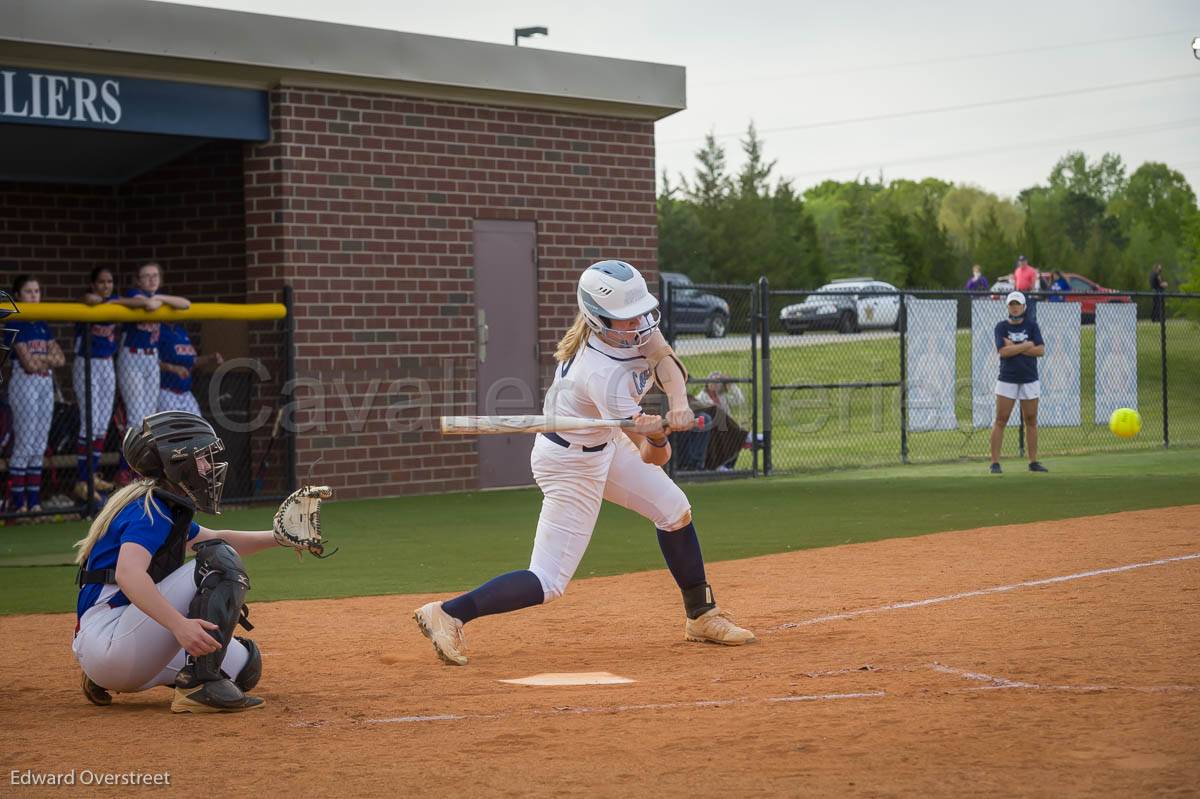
<point>1092,217</point>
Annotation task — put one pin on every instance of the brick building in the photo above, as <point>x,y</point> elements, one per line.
<point>430,201</point>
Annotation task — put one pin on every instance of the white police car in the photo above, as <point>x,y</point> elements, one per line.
<point>846,305</point>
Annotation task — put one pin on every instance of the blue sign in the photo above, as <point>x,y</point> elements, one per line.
<point>72,100</point>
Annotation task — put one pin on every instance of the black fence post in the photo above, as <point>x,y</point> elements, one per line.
<point>765,306</point>
<point>89,433</point>
<point>1162,337</point>
<point>755,321</point>
<point>903,379</point>
<point>289,374</point>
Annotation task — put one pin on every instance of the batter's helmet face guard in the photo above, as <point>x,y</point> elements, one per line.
<point>615,290</point>
<point>7,334</point>
<point>181,450</point>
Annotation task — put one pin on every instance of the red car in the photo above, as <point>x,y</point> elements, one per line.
<point>1080,288</point>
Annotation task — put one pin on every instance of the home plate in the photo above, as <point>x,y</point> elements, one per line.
<point>572,678</point>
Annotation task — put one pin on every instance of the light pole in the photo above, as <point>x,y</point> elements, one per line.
<point>524,33</point>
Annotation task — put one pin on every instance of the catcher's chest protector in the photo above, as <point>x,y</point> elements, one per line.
<point>170,555</point>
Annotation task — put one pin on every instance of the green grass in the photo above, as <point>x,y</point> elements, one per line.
<point>846,428</point>
<point>453,542</point>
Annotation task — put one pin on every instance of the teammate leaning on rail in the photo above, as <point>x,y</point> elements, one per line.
<point>137,361</point>
<point>31,397</point>
<point>145,616</point>
<point>604,372</point>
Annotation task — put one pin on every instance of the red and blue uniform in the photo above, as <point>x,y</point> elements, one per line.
<point>103,389</point>
<point>175,347</point>
<point>31,396</point>
<point>140,335</point>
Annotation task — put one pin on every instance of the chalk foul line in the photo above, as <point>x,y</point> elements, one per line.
<point>999,589</point>
<point>569,710</point>
<point>997,683</point>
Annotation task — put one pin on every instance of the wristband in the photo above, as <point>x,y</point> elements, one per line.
<point>650,441</point>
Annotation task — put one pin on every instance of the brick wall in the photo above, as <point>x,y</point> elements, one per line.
<point>365,203</point>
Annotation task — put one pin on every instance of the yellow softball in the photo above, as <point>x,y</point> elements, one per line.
<point>1125,422</point>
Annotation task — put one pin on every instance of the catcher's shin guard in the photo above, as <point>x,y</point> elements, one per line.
<point>222,582</point>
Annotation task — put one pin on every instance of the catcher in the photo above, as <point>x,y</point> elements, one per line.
<point>147,617</point>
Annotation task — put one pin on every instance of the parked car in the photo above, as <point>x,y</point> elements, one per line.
<point>693,310</point>
<point>847,305</point>
<point>1081,287</point>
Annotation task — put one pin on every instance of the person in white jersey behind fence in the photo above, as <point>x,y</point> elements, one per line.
<point>604,371</point>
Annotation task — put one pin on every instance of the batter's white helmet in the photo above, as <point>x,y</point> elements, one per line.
<point>616,290</point>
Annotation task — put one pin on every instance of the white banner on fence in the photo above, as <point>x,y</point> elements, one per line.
<point>1059,368</point>
<point>1116,358</point>
<point>930,347</point>
<point>985,361</point>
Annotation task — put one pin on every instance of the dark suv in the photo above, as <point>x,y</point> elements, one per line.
<point>693,310</point>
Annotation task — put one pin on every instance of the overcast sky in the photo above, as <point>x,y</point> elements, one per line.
<point>791,65</point>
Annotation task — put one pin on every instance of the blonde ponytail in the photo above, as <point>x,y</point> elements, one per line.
<point>573,340</point>
<point>138,489</point>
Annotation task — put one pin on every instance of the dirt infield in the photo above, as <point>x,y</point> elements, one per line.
<point>925,665</point>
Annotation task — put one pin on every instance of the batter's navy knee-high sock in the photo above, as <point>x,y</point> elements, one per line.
<point>503,594</point>
<point>681,550</point>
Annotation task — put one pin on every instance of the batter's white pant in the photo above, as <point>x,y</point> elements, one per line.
<point>32,400</point>
<point>574,483</point>
<point>170,401</point>
<point>122,649</point>
<point>104,389</point>
<point>137,375</point>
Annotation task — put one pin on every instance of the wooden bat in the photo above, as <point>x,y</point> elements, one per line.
<point>501,425</point>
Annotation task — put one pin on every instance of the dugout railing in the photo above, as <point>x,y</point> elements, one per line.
<point>67,440</point>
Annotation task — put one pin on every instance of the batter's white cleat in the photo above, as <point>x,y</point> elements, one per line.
<point>717,627</point>
<point>443,631</point>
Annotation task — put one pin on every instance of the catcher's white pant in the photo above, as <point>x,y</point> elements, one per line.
<point>122,649</point>
<point>170,401</point>
<point>104,390</point>
<point>574,483</point>
<point>32,401</point>
<point>137,375</point>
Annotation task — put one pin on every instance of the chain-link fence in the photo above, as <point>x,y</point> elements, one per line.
<point>72,388</point>
<point>862,374</point>
<point>715,329</point>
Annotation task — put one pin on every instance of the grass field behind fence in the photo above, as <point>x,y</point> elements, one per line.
<point>823,429</point>
<point>452,542</point>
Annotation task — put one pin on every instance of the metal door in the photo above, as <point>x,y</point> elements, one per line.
<point>506,329</point>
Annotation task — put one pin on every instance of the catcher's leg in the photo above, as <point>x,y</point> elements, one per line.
<point>222,583</point>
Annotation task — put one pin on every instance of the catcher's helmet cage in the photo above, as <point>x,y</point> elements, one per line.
<point>7,334</point>
<point>616,290</point>
<point>179,449</point>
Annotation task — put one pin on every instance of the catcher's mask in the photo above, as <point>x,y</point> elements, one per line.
<point>7,334</point>
<point>179,449</point>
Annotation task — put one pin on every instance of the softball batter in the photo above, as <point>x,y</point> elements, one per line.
<point>31,397</point>
<point>604,372</point>
<point>137,362</point>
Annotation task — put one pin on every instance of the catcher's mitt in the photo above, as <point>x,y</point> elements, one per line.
<point>298,520</point>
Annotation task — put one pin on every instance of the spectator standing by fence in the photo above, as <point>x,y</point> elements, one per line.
<point>1059,286</point>
<point>1019,343</point>
<point>977,282</point>
<point>31,397</point>
<point>137,362</point>
<point>1026,280</point>
<point>1158,285</point>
